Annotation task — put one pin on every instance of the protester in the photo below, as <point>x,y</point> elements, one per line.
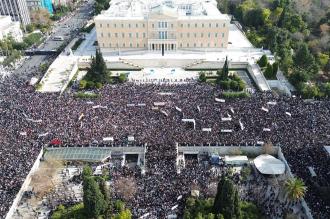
<point>31,120</point>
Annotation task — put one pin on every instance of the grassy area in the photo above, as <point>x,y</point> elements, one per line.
<point>85,95</point>
<point>77,44</point>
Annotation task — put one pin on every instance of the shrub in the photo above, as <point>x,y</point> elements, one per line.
<point>202,77</point>
<point>225,84</point>
<point>122,78</point>
<point>86,95</point>
<point>262,62</point>
<point>82,84</point>
<point>90,84</point>
<point>98,85</point>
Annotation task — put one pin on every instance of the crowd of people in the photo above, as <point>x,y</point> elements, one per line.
<point>153,115</point>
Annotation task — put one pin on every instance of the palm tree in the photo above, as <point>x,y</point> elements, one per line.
<point>295,189</point>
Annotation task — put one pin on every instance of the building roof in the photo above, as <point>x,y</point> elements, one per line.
<point>267,164</point>
<point>182,9</point>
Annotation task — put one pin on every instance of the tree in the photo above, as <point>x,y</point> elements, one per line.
<point>310,91</point>
<point>303,57</point>
<point>40,16</point>
<point>262,62</point>
<point>223,74</point>
<point>87,171</point>
<point>275,68</point>
<point>94,203</point>
<point>298,76</point>
<point>269,71</point>
<point>122,78</point>
<point>295,189</point>
<point>218,201</point>
<point>98,69</point>
<point>202,77</point>
<point>227,200</point>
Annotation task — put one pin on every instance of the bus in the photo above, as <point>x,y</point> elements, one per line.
<point>58,38</point>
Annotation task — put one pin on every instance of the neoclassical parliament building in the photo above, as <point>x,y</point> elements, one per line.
<point>162,25</point>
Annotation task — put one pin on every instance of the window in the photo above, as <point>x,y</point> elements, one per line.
<point>115,25</point>
<point>116,35</point>
<point>201,44</point>
<point>144,35</point>
<point>143,25</point>
<point>101,34</point>
<point>195,45</point>
<point>159,24</point>
<point>223,35</point>
<point>137,35</point>
<point>109,35</point>
<point>153,26</point>
<point>136,25</point>
<point>187,44</point>
<point>137,45</point>
<point>202,35</point>
<point>181,35</point>
<point>188,25</point>
<point>215,45</point>
<point>123,35</point>
<point>217,25</point>
<point>129,25</point>
<point>102,44</point>
<point>100,25</point>
<point>110,45</point>
<point>221,44</point>
<point>208,45</point>
<point>210,24</point>
<point>181,25</point>
<point>123,44</point>
<point>216,35</point>
<point>202,25</point>
<point>130,45</point>
<point>171,25</point>
<point>195,25</point>
<point>188,35</point>
<point>195,35</point>
<point>224,25</point>
<point>180,44</point>
<point>108,25</point>
<point>130,35</point>
<point>122,25</point>
<point>209,35</point>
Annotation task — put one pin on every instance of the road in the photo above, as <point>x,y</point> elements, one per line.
<point>67,28</point>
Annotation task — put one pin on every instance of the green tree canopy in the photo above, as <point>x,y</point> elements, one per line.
<point>94,203</point>
<point>295,189</point>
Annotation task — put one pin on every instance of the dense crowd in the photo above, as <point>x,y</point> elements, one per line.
<point>153,115</point>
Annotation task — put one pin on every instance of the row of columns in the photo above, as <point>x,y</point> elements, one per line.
<point>158,46</point>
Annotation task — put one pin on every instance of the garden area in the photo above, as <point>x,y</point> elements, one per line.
<point>225,205</point>
<point>98,75</point>
<point>231,84</point>
<point>299,40</point>
<point>96,203</point>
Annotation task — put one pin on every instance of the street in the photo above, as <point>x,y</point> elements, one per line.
<point>67,28</point>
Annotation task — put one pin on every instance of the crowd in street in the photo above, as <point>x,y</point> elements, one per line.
<point>153,115</point>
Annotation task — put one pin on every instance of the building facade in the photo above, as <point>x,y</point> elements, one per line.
<point>38,4</point>
<point>17,9</point>
<point>10,28</point>
<point>162,25</point>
